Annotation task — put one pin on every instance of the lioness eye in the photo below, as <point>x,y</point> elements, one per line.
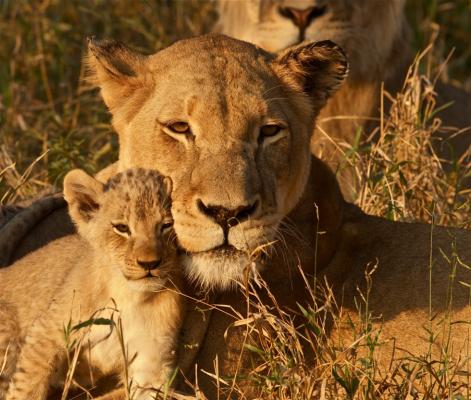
<point>179,127</point>
<point>121,229</point>
<point>270,130</point>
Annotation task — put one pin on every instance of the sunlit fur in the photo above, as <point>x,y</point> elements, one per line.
<point>95,274</point>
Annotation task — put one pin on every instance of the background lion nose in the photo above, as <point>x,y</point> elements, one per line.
<point>149,265</point>
<point>225,217</point>
<point>302,18</point>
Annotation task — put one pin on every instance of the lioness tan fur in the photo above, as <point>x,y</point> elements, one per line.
<point>375,35</point>
<point>231,125</point>
<point>122,266</point>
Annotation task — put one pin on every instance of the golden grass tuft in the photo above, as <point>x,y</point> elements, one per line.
<point>399,174</point>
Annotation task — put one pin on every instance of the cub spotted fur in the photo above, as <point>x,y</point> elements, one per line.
<point>121,266</point>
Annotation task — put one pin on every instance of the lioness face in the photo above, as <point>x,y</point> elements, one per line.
<point>231,125</point>
<point>128,221</point>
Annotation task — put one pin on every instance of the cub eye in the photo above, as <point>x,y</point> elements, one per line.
<point>121,229</point>
<point>270,130</point>
<point>179,127</point>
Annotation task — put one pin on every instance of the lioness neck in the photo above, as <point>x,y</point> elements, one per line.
<point>320,210</point>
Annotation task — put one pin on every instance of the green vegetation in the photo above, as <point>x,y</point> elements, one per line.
<point>450,22</point>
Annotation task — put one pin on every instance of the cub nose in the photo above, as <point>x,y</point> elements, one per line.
<point>149,265</point>
<point>302,18</point>
<point>225,217</point>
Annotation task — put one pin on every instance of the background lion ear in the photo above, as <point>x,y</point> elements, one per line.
<point>116,69</point>
<point>82,193</point>
<point>317,68</point>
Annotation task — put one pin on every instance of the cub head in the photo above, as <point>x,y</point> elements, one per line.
<point>230,124</point>
<point>366,29</point>
<point>127,221</point>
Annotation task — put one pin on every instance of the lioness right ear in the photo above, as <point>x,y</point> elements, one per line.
<point>116,69</point>
<point>316,68</point>
<point>82,192</point>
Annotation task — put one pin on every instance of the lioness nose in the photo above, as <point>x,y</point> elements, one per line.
<point>302,18</point>
<point>225,217</point>
<point>149,265</point>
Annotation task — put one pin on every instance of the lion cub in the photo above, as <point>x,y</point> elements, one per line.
<point>122,266</point>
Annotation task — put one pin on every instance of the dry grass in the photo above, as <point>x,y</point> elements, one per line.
<point>294,357</point>
<point>398,172</point>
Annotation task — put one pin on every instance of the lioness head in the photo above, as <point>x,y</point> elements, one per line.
<point>231,125</point>
<point>366,29</point>
<point>128,221</point>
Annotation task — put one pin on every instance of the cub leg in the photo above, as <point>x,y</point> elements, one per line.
<point>9,349</point>
<point>153,365</point>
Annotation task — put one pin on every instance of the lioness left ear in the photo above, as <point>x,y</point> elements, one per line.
<point>116,69</point>
<point>316,68</point>
<point>81,191</point>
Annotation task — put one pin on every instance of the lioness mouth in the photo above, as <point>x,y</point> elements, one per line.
<point>224,250</point>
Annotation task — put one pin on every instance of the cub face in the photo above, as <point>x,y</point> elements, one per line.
<point>128,222</point>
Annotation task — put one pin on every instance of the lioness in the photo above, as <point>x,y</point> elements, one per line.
<point>231,125</point>
<point>121,266</point>
<point>376,37</point>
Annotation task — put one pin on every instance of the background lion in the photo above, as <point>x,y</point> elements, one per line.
<point>377,39</point>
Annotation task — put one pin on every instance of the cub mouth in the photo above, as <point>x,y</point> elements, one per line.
<point>150,275</point>
<point>147,282</point>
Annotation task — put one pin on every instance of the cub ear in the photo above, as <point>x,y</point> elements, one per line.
<point>116,69</point>
<point>316,68</point>
<point>82,192</point>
